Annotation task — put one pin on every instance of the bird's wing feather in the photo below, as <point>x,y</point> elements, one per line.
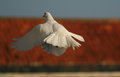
<point>28,41</point>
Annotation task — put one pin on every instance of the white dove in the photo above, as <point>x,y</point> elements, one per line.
<point>51,35</point>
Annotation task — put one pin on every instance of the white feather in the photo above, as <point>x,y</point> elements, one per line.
<point>29,40</point>
<point>80,38</point>
<point>52,36</point>
<point>53,49</point>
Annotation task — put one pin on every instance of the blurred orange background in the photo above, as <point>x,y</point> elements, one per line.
<point>101,46</point>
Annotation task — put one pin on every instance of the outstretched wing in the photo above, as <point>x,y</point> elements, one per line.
<point>28,41</point>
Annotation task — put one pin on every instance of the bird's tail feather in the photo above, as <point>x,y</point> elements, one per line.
<point>72,42</point>
<point>61,40</point>
<point>78,37</point>
<point>56,39</point>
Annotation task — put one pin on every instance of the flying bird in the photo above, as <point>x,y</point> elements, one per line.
<point>51,35</point>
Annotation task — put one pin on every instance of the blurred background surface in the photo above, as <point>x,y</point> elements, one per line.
<point>98,21</point>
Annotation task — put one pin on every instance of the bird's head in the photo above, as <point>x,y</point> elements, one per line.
<point>48,16</point>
